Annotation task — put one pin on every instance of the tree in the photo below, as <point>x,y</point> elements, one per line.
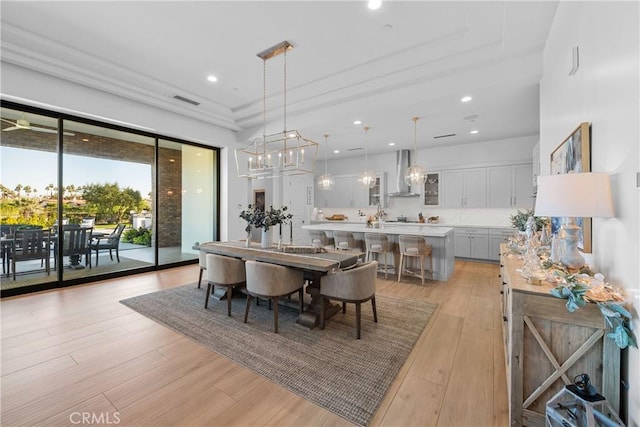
<point>27,190</point>
<point>49,188</point>
<point>18,189</point>
<point>111,204</point>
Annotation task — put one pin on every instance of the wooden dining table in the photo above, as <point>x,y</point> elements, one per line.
<point>314,266</point>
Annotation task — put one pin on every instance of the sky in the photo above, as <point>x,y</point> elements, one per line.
<point>39,169</point>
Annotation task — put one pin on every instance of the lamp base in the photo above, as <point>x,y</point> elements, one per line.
<point>571,258</point>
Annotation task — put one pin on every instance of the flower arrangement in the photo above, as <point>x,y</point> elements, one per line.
<point>519,220</point>
<point>258,218</point>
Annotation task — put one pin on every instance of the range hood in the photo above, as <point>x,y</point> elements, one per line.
<point>403,162</point>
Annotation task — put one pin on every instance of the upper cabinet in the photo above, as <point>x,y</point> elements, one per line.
<point>510,186</point>
<point>348,193</point>
<point>464,188</point>
<point>431,193</point>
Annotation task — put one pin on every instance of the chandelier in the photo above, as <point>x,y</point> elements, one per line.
<point>281,154</point>
<point>415,175</point>
<point>367,179</point>
<point>325,181</point>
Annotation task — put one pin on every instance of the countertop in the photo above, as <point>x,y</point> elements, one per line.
<point>415,224</point>
<point>387,228</point>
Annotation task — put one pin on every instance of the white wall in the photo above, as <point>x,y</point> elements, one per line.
<point>605,92</point>
<point>40,90</point>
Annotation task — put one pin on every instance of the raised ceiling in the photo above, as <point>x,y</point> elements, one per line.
<point>382,67</point>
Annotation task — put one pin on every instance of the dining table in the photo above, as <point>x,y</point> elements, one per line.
<point>313,265</point>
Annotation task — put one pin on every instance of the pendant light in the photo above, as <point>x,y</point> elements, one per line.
<point>367,179</point>
<point>416,175</point>
<point>326,182</point>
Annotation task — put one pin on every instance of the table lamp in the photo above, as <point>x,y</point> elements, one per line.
<point>572,195</point>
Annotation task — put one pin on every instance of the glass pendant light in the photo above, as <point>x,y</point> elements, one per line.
<point>367,179</point>
<point>326,182</point>
<point>416,175</point>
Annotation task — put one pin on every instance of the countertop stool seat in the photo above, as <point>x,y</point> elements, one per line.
<point>377,243</point>
<point>319,238</point>
<point>224,271</point>
<point>415,246</point>
<point>344,240</point>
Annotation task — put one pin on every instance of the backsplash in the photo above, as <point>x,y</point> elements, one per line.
<point>410,207</point>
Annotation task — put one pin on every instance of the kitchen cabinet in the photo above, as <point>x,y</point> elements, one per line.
<point>464,188</point>
<point>510,186</point>
<point>348,193</point>
<point>546,346</point>
<point>431,190</point>
<point>472,242</point>
<point>497,236</point>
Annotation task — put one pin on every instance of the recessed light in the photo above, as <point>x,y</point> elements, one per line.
<point>357,122</point>
<point>212,78</point>
<point>466,98</point>
<point>473,132</point>
<point>374,4</point>
<point>391,144</point>
<point>336,151</point>
<point>388,27</point>
<point>292,135</point>
<point>85,139</point>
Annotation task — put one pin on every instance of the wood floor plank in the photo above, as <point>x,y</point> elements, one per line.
<point>96,410</point>
<point>417,403</point>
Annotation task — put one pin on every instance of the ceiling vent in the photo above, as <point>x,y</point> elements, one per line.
<point>449,135</point>
<point>187,100</point>
<point>354,149</point>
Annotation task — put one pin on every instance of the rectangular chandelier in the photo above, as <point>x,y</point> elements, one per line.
<point>281,154</point>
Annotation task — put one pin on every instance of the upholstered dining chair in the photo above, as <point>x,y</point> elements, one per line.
<point>224,271</point>
<point>378,243</point>
<point>319,238</point>
<point>270,281</point>
<point>355,285</point>
<point>415,246</point>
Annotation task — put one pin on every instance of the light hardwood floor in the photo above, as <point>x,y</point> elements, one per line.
<point>79,351</point>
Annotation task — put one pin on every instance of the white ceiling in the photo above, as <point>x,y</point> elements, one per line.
<point>347,63</point>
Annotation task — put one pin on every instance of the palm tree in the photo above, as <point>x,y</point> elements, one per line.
<point>27,190</point>
<point>49,188</point>
<point>18,189</point>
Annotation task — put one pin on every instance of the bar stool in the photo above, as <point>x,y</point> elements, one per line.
<point>415,246</point>
<point>377,243</point>
<point>344,240</point>
<point>319,238</point>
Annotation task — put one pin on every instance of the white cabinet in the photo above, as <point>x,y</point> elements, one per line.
<point>472,242</point>
<point>510,186</point>
<point>348,193</point>
<point>431,190</point>
<point>497,236</point>
<point>464,188</point>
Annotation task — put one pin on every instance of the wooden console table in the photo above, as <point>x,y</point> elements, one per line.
<point>546,346</point>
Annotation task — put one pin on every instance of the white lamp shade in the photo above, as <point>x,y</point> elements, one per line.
<point>585,194</point>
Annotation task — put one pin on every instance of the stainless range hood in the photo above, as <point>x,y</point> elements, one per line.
<point>403,162</point>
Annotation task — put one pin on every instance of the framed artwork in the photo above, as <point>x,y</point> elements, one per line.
<point>574,155</point>
<point>258,198</point>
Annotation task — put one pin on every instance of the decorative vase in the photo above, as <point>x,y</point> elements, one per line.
<point>267,239</point>
<point>247,243</point>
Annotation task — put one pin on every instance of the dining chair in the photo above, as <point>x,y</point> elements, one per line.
<point>76,241</point>
<point>271,281</point>
<point>378,243</point>
<point>355,285</point>
<point>416,247</point>
<point>111,242</point>
<point>202,263</point>
<point>224,271</point>
<point>33,244</point>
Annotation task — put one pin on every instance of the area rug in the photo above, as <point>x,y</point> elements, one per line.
<point>328,367</point>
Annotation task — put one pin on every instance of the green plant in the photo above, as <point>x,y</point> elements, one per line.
<point>256,217</point>
<point>519,220</point>
<point>140,236</point>
<point>616,316</point>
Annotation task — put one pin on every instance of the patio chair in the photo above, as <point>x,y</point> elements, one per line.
<point>76,242</point>
<point>110,242</point>
<point>32,244</point>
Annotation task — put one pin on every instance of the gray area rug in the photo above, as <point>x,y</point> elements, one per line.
<point>328,367</point>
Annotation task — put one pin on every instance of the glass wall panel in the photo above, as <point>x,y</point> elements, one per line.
<point>187,199</point>
<point>107,181</point>
<point>28,191</point>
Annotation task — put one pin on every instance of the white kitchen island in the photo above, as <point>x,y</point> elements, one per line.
<point>440,238</point>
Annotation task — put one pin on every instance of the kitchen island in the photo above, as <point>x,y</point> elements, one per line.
<point>440,238</point>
